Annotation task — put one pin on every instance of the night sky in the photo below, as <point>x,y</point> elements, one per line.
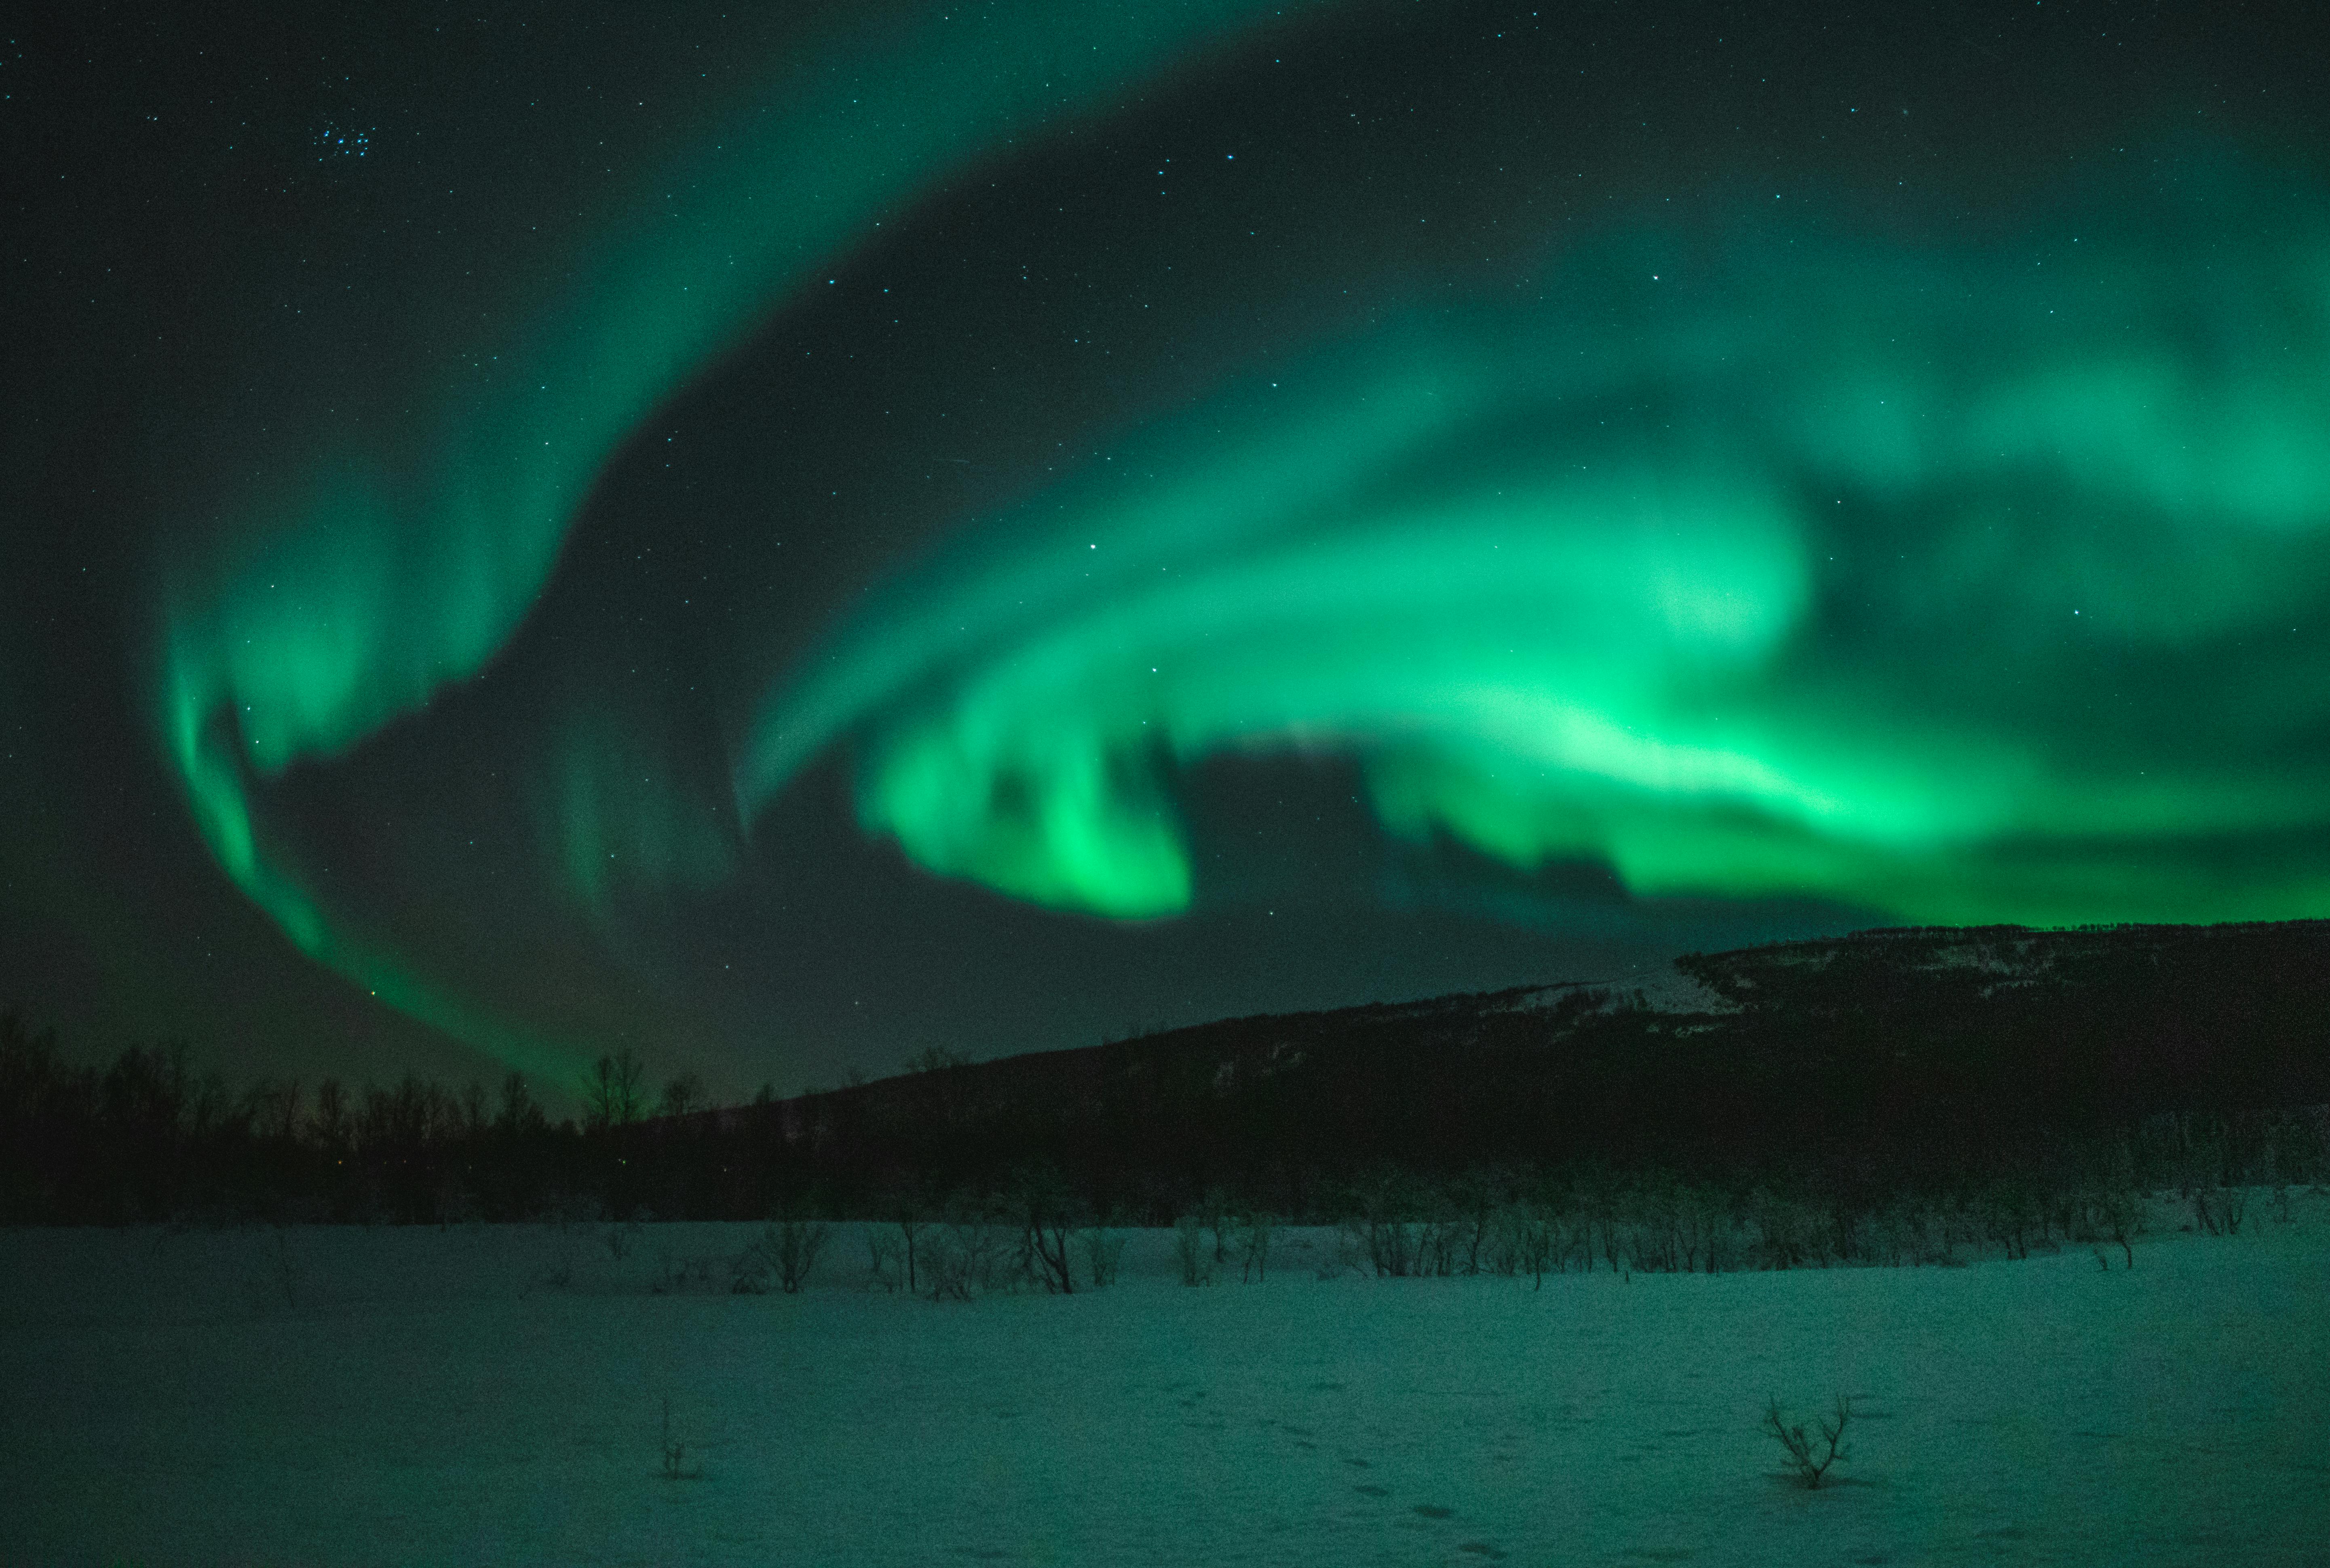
<point>786,540</point>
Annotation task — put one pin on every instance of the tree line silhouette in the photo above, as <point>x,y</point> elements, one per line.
<point>1844,1077</point>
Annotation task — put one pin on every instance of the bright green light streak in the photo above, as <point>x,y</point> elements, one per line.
<point>1940,582</point>
<point>405,560</point>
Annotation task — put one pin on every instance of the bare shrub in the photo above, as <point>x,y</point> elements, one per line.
<point>1656,1241</point>
<point>1811,1458</point>
<point>672,1274</point>
<point>2118,1215</point>
<point>787,1250</point>
<point>749,1271</point>
<point>1253,1235</point>
<point>2233,1203</point>
<point>1400,1230</point>
<point>1046,1213</point>
<point>1925,1232</point>
<point>620,1239</point>
<point>1501,1250</point>
<point>1215,1212</point>
<point>1535,1234</point>
<point>1614,1238</point>
<point>1382,1223</point>
<point>2220,1209</point>
<point>1439,1243</point>
<point>1719,1242</point>
<point>674,1452</point>
<point>1191,1251</point>
<point>2009,1211</point>
<point>965,1257</point>
<point>908,1214</point>
<point>796,1244</point>
<point>882,1259</point>
<point>1782,1238</point>
<point>1103,1253</point>
<point>1476,1202</point>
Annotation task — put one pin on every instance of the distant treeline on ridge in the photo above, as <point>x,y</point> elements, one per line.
<point>1848,1071</point>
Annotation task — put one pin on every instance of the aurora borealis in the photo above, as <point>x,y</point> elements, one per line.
<point>941,481</point>
<point>1564,584</point>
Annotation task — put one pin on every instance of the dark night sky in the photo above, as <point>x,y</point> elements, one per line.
<point>788,542</point>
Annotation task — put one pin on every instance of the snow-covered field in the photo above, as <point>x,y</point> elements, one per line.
<point>417,1396</point>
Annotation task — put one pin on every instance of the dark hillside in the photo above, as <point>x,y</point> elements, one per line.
<point>1912,1048</point>
<point>1886,1061</point>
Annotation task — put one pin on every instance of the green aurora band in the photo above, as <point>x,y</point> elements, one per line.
<point>1966,585</point>
<point>405,561</point>
<point>1963,582</point>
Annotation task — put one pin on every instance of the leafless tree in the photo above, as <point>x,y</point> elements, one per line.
<point>961,1258</point>
<point>1191,1251</point>
<point>909,1214</point>
<point>612,1092</point>
<point>1045,1211</point>
<point>272,1108</point>
<point>1536,1233</point>
<point>1216,1212</point>
<point>674,1452</point>
<point>681,1095</point>
<point>1811,1458</point>
<point>2118,1213</point>
<point>472,1106</point>
<point>330,1124</point>
<point>788,1248</point>
<point>518,1112</point>
<point>1103,1253</point>
<point>1254,1246</point>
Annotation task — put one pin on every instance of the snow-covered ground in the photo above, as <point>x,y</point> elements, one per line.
<point>417,1396</point>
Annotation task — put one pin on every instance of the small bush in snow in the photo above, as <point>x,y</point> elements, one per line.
<point>1218,1215</point>
<point>1045,1211</point>
<point>1103,1253</point>
<point>1253,1235</point>
<point>911,1222</point>
<point>1810,1457</point>
<point>965,1258</point>
<point>2220,1209</point>
<point>787,1250</point>
<point>1191,1251</point>
<point>2119,1214</point>
<point>1530,1241</point>
<point>674,1452</point>
<point>672,1275</point>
